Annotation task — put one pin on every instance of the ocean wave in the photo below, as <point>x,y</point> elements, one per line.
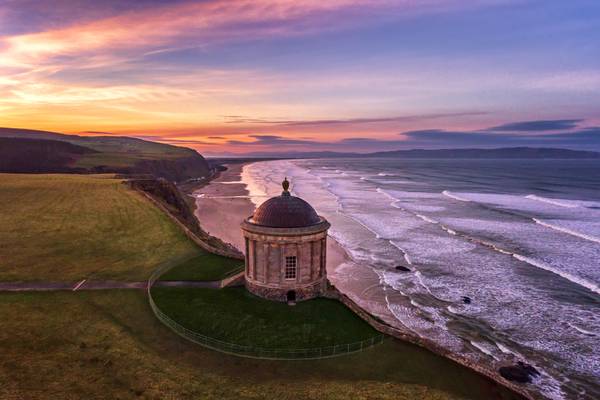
<point>389,196</point>
<point>482,347</point>
<point>581,330</point>
<point>427,219</point>
<point>504,349</point>
<point>554,202</point>
<point>455,197</point>
<point>542,265</point>
<point>452,309</point>
<point>567,231</point>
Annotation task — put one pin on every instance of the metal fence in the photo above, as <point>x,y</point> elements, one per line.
<point>249,351</point>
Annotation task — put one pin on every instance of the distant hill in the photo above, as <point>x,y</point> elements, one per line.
<point>499,153</point>
<point>39,155</point>
<point>22,151</point>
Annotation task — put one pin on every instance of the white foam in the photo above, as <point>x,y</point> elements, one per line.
<point>455,197</point>
<point>389,196</point>
<point>559,203</point>
<point>504,349</point>
<point>581,330</point>
<point>567,231</point>
<point>427,219</point>
<point>482,347</point>
<point>452,309</point>
<point>542,265</point>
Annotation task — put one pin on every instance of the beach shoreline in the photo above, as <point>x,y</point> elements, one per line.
<point>224,202</point>
<point>228,192</point>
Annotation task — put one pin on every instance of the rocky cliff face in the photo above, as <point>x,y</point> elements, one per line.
<point>177,170</point>
<point>174,170</point>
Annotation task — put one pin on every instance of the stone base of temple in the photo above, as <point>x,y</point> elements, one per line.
<point>290,295</point>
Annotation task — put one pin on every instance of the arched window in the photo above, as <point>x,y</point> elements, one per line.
<point>290,267</point>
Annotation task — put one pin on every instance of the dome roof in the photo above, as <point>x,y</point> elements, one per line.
<point>285,211</point>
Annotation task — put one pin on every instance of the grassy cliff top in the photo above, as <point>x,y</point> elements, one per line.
<point>118,154</point>
<point>71,227</point>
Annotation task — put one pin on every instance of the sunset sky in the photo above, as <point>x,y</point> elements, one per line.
<point>227,76</point>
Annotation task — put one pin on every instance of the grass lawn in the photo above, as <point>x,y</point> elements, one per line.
<point>204,267</point>
<point>109,345</point>
<point>71,227</point>
<point>235,316</point>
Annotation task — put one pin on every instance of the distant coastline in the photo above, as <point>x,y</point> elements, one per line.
<point>509,153</point>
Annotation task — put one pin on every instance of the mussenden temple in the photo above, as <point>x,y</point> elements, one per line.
<point>286,243</point>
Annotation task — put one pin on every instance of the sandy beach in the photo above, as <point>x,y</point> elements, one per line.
<point>223,204</point>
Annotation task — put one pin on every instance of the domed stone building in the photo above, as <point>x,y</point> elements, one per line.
<point>286,245</point>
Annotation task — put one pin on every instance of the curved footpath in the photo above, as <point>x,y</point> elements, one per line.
<point>100,285</point>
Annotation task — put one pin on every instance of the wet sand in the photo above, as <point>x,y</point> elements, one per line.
<point>222,205</point>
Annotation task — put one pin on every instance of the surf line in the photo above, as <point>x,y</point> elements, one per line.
<point>593,287</point>
<point>455,197</point>
<point>554,202</point>
<point>566,230</point>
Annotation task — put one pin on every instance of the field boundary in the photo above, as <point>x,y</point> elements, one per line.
<point>250,351</point>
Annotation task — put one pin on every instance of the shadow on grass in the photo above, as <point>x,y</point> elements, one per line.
<point>235,316</point>
<point>204,267</point>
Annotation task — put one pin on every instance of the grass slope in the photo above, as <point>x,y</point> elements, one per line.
<point>108,345</point>
<point>205,267</point>
<point>72,227</point>
<point>235,316</point>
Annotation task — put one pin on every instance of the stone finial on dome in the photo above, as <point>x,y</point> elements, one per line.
<point>286,186</point>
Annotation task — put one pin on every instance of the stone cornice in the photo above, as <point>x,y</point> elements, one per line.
<point>248,226</point>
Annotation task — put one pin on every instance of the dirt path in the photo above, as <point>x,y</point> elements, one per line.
<point>98,285</point>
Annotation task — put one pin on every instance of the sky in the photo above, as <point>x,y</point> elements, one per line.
<point>238,76</point>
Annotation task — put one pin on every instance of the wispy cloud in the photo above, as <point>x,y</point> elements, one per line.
<point>586,138</point>
<point>536,126</point>
<point>138,33</point>
<point>237,119</point>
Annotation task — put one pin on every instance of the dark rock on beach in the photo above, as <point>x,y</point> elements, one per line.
<point>521,372</point>
<point>402,268</point>
<point>466,299</point>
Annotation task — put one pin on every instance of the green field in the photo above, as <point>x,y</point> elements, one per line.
<point>204,267</point>
<point>108,344</point>
<point>235,316</point>
<point>72,227</point>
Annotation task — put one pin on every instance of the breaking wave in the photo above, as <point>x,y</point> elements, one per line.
<point>453,196</point>
<point>551,201</point>
<point>567,231</point>
<point>542,265</point>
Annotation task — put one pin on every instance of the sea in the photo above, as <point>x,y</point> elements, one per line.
<point>503,255</point>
